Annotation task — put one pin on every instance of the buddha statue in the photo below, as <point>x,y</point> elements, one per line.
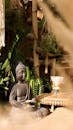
<point>20,91</point>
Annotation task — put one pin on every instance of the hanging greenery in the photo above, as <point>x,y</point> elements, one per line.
<point>49,44</point>
<point>36,84</point>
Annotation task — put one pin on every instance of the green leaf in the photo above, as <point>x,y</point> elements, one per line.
<point>1,81</point>
<point>9,55</point>
<point>6,79</point>
<point>27,74</point>
<point>17,37</point>
<point>6,88</point>
<point>6,63</point>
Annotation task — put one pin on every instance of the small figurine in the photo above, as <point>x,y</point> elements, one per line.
<point>20,91</point>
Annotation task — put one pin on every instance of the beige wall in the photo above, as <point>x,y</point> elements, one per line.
<point>2,23</point>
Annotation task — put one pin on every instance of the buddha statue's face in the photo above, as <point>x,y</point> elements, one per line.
<point>20,72</point>
<point>20,75</point>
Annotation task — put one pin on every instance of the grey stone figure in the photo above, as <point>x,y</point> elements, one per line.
<point>20,91</point>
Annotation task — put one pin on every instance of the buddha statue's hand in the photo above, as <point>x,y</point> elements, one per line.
<point>32,101</point>
<point>19,105</point>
